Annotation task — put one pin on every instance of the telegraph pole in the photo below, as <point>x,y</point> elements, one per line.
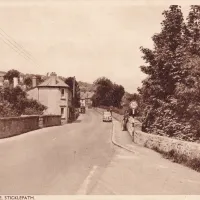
<point>73,98</point>
<point>74,87</point>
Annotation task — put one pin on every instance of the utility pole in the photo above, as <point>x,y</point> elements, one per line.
<point>74,87</point>
<point>73,98</point>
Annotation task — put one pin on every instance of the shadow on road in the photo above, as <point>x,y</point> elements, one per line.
<point>77,121</point>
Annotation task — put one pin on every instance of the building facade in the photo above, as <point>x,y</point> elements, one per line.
<point>54,93</point>
<point>86,99</point>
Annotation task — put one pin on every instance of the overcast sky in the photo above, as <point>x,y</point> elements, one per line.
<point>86,39</point>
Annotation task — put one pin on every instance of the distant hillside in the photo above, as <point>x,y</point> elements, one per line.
<point>86,87</point>
<point>89,88</point>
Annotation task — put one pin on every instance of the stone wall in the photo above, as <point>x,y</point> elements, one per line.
<point>161,143</point>
<point>51,120</point>
<point>165,144</point>
<point>17,125</point>
<point>13,126</point>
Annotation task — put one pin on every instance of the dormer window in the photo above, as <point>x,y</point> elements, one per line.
<point>62,93</point>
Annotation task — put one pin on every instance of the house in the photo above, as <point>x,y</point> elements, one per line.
<point>86,99</point>
<point>55,94</point>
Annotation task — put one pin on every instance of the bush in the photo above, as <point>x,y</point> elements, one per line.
<point>32,111</point>
<point>7,110</point>
<point>16,103</point>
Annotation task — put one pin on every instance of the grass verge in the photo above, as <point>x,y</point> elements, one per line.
<point>176,157</point>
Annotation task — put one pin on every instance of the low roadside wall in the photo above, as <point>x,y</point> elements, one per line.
<point>13,126</point>
<point>165,144</point>
<point>17,125</point>
<point>161,143</point>
<point>51,120</point>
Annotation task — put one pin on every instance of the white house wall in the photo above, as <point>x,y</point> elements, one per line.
<point>51,97</point>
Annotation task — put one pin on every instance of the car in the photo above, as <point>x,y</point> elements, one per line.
<point>83,109</point>
<point>107,116</point>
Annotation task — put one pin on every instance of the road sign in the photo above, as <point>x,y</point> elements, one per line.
<point>133,104</point>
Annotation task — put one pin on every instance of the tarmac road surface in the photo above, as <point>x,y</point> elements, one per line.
<point>79,158</point>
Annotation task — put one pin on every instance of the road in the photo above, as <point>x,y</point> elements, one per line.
<point>79,158</point>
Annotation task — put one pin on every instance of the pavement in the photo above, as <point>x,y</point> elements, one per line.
<point>144,172</point>
<point>80,159</point>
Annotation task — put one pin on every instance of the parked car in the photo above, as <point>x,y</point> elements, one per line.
<point>107,116</point>
<point>83,109</point>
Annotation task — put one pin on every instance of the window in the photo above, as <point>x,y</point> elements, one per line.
<point>62,112</point>
<point>62,93</point>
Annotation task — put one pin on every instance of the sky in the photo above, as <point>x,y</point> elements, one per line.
<point>87,39</point>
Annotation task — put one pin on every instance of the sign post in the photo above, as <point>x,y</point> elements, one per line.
<point>133,105</point>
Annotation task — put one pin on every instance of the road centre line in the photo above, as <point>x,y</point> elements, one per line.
<point>84,187</point>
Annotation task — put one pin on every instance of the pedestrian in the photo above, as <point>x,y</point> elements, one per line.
<point>111,111</point>
<point>126,116</point>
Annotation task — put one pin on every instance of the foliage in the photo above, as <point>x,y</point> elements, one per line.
<point>169,96</point>
<point>28,81</point>
<point>178,157</point>
<point>69,81</point>
<point>11,74</point>
<point>16,103</point>
<point>39,79</point>
<point>107,93</point>
<point>6,110</point>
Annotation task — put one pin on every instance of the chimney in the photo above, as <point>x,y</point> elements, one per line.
<point>15,82</point>
<point>53,78</point>
<point>34,81</point>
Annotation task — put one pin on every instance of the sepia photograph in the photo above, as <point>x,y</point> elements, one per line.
<point>99,97</point>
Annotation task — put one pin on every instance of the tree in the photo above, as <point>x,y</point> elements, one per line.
<point>39,79</point>
<point>70,81</point>
<point>28,81</point>
<point>107,93</point>
<point>16,103</point>
<point>164,66</point>
<point>103,91</point>
<point>170,94</point>
<point>11,74</point>
<point>192,31</point>
<point>117,94</point>
<point>164,60</point>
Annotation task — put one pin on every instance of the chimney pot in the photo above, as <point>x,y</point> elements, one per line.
<point>53,74</point>
<point>53,78</point>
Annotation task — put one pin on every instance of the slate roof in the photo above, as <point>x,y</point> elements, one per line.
<point>49,82</point>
